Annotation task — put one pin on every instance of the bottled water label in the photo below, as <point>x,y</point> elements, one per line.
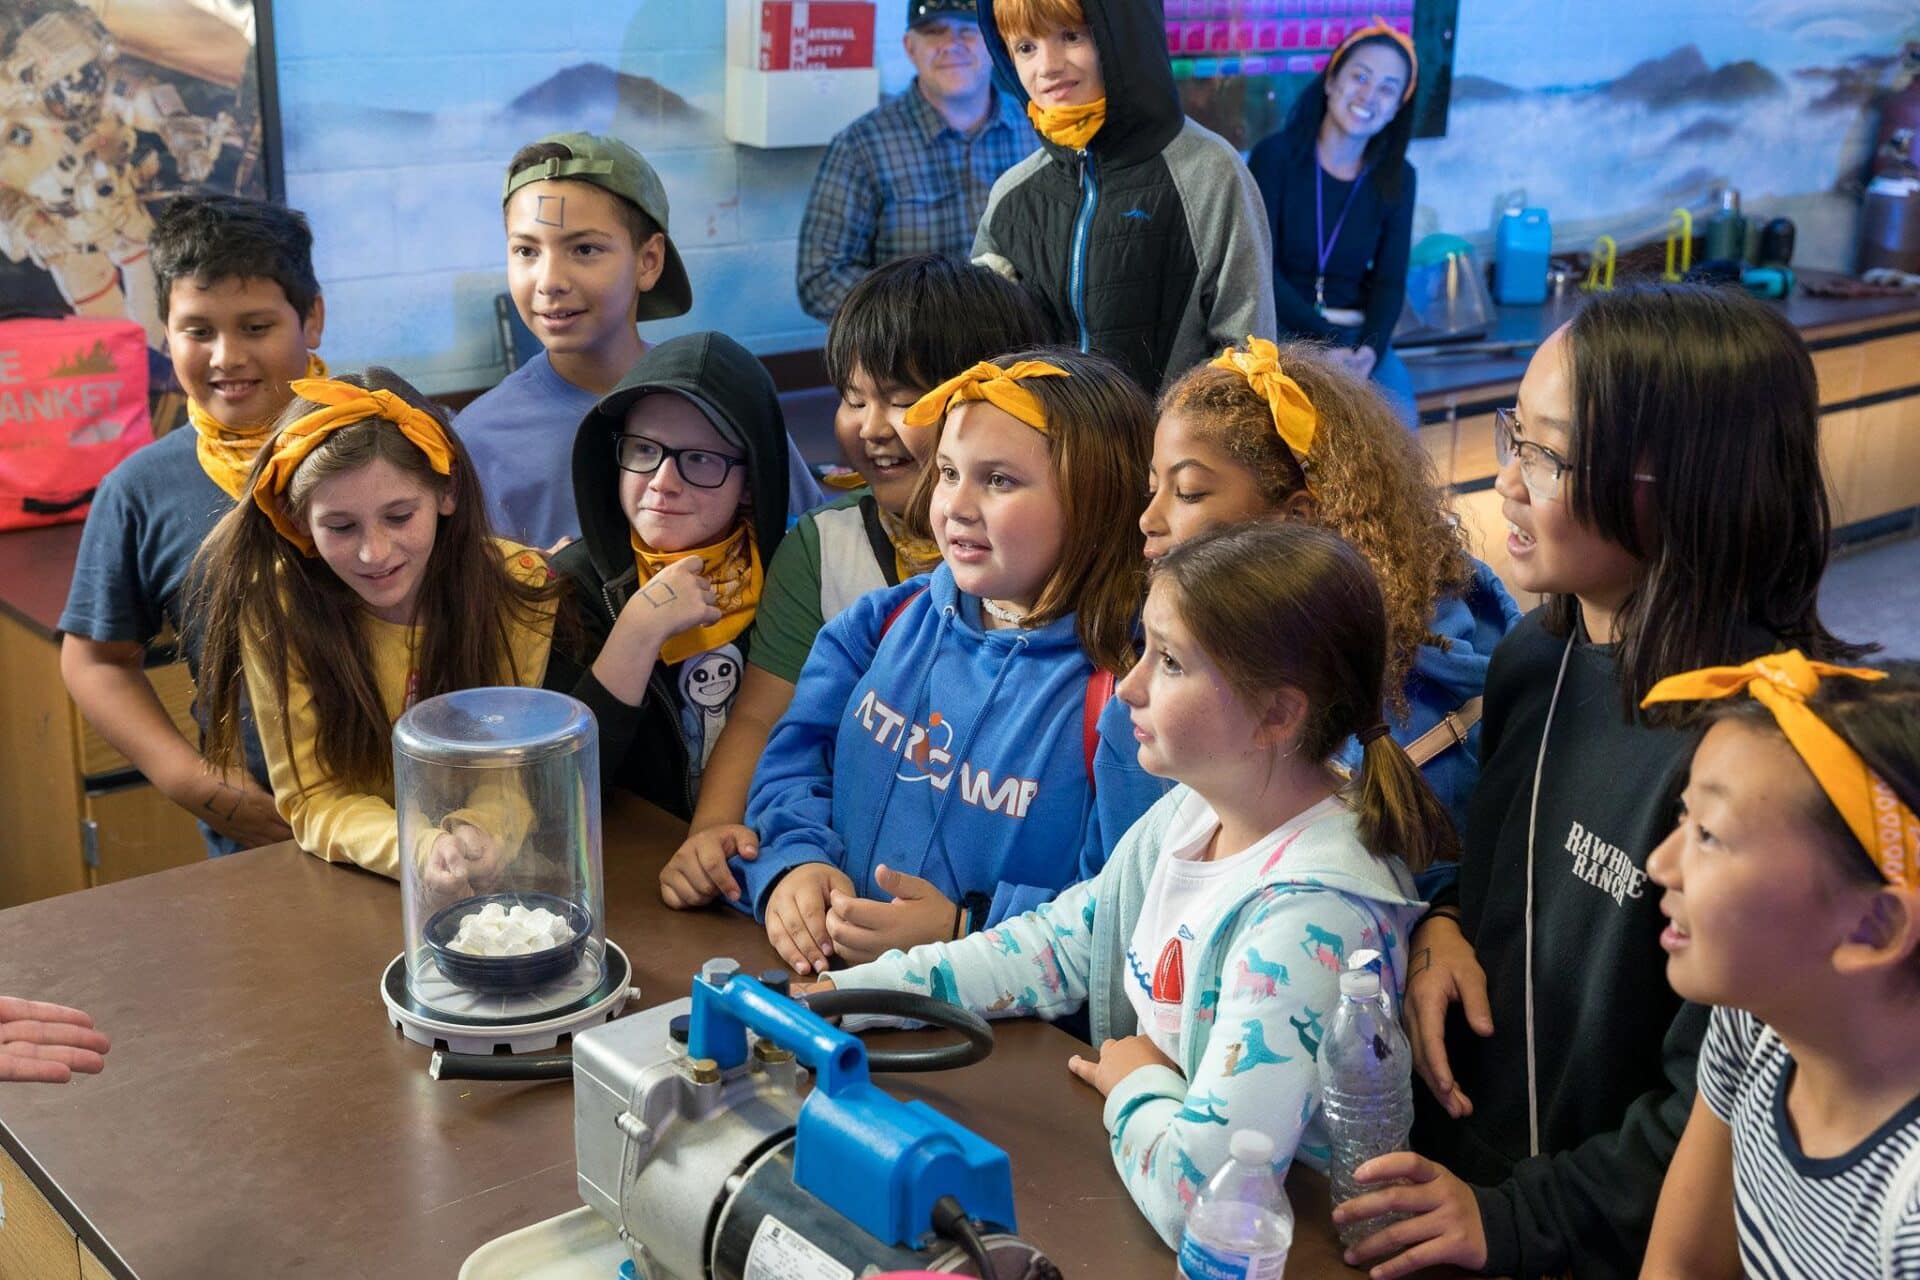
<point>1201,1261</point>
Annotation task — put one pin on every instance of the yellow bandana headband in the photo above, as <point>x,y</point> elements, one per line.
<point>998,387</point>
<point>1782,682</point>
<point>1071,127</point>
<point>1294,417</point>
<point>344,405</point>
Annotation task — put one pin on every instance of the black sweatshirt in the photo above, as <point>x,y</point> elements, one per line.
<point>1367,267</point>
<point>1616,1047</point>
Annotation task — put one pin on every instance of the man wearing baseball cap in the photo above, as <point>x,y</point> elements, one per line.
<point>588,258</point>
<point>912,175</point>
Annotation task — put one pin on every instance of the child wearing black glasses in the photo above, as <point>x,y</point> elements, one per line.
<point>1661,482</point>
<point>680,475</point>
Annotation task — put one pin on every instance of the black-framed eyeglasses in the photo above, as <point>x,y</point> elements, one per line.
<point>701,468</point>
<point>1541,468</point>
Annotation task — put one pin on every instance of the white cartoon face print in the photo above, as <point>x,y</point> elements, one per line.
<point>708,682</point>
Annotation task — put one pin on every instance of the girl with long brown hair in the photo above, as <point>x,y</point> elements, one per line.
<point>1208,950</point>
<point>934,757</point>
<point>357,576</point>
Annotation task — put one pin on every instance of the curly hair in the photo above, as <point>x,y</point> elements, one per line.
<point>1370,481</point>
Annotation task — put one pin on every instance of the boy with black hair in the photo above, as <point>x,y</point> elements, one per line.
<point>588,258</point>
<point>243,314</point>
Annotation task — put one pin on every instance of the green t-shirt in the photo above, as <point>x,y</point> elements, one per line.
<point>834,555</point>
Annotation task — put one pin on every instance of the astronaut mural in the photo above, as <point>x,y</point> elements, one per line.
<point>107,108</point>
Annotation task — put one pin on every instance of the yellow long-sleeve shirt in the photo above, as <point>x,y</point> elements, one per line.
<point>342,825</point>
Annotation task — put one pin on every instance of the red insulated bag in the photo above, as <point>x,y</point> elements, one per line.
<point>73,403</point>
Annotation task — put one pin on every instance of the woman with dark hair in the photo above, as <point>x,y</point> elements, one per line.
<point>1661,480</point>
<point>1339,195</point>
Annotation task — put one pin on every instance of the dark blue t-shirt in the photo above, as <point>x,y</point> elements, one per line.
<point>130,580</point>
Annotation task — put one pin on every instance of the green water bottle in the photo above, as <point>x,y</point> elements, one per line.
<point>1727,229</point>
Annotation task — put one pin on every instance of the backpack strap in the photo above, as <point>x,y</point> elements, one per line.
<point>1098,693</point>
<point>898,610</point>
<point>1451,731</point>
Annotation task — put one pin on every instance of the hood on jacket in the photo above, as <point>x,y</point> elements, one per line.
<point>1143,104</point>
<point>1472,623</point>
<point>735,392</point>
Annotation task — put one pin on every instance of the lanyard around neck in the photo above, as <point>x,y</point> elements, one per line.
<point>1323,243</point>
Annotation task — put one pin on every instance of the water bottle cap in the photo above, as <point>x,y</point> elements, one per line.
<point>1361,984</point>
<point>1250,1146</point>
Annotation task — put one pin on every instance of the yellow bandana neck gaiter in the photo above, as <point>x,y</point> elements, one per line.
<point>226,453</point>
<point>732,565</point>
<point>1071,127</point>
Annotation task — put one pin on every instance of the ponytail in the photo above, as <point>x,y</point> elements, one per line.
<point>1280,604</point>
<point>1396,809</point>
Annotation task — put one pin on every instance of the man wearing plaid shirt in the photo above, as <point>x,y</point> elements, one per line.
<point>912,175</point>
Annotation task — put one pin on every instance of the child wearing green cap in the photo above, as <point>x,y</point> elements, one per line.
<point>588,258</point>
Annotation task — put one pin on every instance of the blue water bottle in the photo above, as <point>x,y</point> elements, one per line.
<point>1521,248</point>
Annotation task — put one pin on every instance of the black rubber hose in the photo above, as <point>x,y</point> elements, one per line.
<point>950,1221</point>
<point>976,1045</point>
<point>500,1066</point>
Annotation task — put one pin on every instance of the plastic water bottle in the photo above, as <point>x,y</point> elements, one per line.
<point>1366,1075</point>
<point>1241,1226</point>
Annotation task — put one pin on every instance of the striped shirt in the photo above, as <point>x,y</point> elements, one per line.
<point>1799,1216</point>
<point>901,181</point>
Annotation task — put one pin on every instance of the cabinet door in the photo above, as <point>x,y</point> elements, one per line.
<point>34,1240</point>
<point>137,830</point>
<point>39,783</point>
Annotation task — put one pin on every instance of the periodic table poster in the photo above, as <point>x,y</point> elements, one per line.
<point>1240,63</point>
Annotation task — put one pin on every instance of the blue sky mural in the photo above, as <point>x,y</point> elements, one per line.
<point>398,120</point>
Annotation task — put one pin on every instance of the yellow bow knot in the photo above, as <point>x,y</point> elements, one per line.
<point>1294,416</point>
<point>344,405</point>
<point>1782,682</point>
<point>998,387</point>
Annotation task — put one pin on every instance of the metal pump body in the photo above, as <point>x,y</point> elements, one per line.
<point>702,1143</point>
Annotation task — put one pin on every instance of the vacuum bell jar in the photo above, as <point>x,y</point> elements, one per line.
<point>498,796</point>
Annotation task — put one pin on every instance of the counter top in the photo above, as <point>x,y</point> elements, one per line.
<point>259,1116</point>
<point>36,568</point>
<point>1823,321</point>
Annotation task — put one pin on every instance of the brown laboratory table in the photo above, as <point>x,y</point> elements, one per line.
<point>258,1116</point>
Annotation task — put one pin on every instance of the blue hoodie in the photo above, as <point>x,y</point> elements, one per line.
<point>940,749</point>
<point>1471,623</point>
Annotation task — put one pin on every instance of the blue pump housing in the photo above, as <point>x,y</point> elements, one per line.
<point>877,1161</point>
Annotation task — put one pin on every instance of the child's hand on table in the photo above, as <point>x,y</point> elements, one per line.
<point>240,809</point>
<point>1117,1060</point>
<point>797,915</point>
<point>863,929</point>
<point>698,872</point>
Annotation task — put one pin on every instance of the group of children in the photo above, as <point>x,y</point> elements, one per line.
<point>1086,703</point>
